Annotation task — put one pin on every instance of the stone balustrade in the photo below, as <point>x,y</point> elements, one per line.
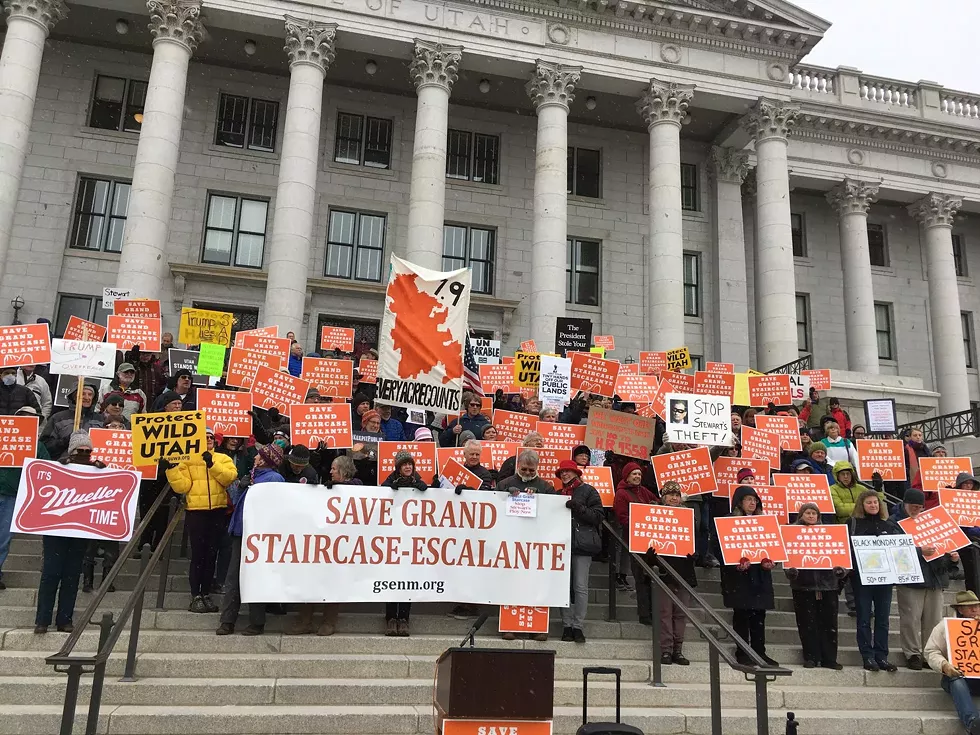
<point>888,91</point>
<point>960,104</point>
<point>813,79</point>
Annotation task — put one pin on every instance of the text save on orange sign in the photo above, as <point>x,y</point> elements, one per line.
<point>520,619</point>
<point>816,547</point>
<point>884,456</point>
<point>496,727</point>
<point>668,530</point>
<point>691,469</point>
<point>936,529</point>
<point>750,537</point>
<point>312,423</point>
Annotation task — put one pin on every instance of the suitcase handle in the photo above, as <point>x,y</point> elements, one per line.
<point>605,670</point>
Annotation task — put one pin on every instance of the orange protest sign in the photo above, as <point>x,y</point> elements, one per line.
<point>606,341</point>
<point>727,469</point>
<point>601,479</point>
<point>884,456</point>
<point>454,474</point>
<point>281,390</point>
<point>269,345</point>
<point>518,619</point>
<point>667,529</point>
<point>786,427</point>
<point>561,436</point>
<point>496,453</point>
<point>802,488</point>
<point>337,338</point>
<point>760,444</point>
<point>593,374</point>
<point>659,405</point>
<point>937,473</point>
<point>444,454</point>
<point>498,377</point>
<point>330,377</point>
<point>497,727</point>
<point>226,411</point>
<point>773,500</point>
<point>819,379</point>
<point>243,364</point>
<point>264,331</point>
<point>368,369</point>
<point>629,368</point>
<point>651,363</point>
<point>529,345</point>
<point>424,454</point>
<point>750,537</point>
<point>548,460</point>
<point>312,423</point>
<point>512,425</point>
<point>18,439</point>
<point>963,645</point>
<point>24,344</point>
<point>85,331</point>
<point>682,382</point>
<point>816,547</point>
<point>114,448</point>
<point>691,469</point>
<point>766,389</point>
<point>146,308</point>
<point>126,331</point>
<point>963,506</point>
<point>935,528</point>
<point>623,433</point>
<point>720,367</point>
<point>636,388</point>
<point>707,383</point>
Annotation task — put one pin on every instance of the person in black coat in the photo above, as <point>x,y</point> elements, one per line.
<point>747,588</point>
<point>403,478</point>
<point>296,467</point>
<point>14,397</point>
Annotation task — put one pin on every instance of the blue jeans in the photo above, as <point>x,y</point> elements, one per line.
<point>873,600</point>
<point>961,690</point>
<point>60,568</point>
<point>6,516</point>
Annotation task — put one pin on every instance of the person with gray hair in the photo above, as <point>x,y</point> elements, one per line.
<point>526,479</point>
<point>533,440</point>
<point>472,453</point>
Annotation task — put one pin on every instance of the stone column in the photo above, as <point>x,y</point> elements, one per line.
<point>664,107</point>
<point>433,71</point>
<point>852,199</point>
<point>935,213</point>
<point>775,284</point>
<point>28,25</point>
<point>177,30</point>
<point>728,169</point>
<point>310,48</point>
<point>551,89</point>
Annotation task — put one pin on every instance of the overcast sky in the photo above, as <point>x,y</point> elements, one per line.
<point>907,40</point>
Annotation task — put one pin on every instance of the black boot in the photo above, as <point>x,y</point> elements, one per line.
<point>87,580</point>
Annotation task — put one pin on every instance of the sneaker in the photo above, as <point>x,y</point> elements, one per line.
<point>567,635</point>
<point>678,658</point>
<point>887,666</point>
<point>578,635</point>
<point>974,727</point>
<point>66,628</point>
<point>225,629</point>
<point>254,630</point>
<point>198,605</point>
<point>509,636</point>
<point>742,657</point>
<point>666,659</point>
<point>914,662</point>
<point>870,665</point>
<point>209,605</point>
<point>621,584</point>
<point>833,666</point>
<point>40,629</point>
<point>391,628</point>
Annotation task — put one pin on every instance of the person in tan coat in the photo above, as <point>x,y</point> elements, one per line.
<point>961,689</point>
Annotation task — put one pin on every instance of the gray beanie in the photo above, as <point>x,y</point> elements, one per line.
<point>465,436</point>
<point>401,458</point>
<point>79,440</point>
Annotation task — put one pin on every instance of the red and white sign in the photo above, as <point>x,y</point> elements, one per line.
<point>368,369</point>
<point>455,474</point>
<point>760,444</point>
<point>602,480</point>
<point>691,469</point>
<point>593,374</point>
<point>708,383</point>
<point>938,473</point>
<point>513,426</point>
<point>819,379</point>
<point>337,338</point>
<point>312,423</point>
<point>272,331</point>
<point>750,537</point>
<point>18,439</point>
<point>24,344</point>
<point>83,331</point>
<point>548,461</point>
<point>514,619</point>
<point>499,452</point>
<point>243,364</point>
<point>145,308</point>
<point>424,454</point>
<point>114,448</point>
<point>268,345</point>
<point>963,505</point>
<point>659,404</point>
<point>884,456</point>
<point>637,388</point>
<point>606,341</point>
<point>330,377</point>
<point>720,367</point>
<point>773,500</point>
<point>766,389</point>
<point>682,382</point>
<point>529,345</point>
<point>273,388</point>
<point>816,547</point>
<point>127,331</point>
<point>935,528</point>
<point>786,427</point>
<point>76,501</point>
<point>651,363</point>
<point>802,488</point>
<point>498,377</point>
<point>727,469</point>
<point>226,411</point>
<point>562,436</point>
<point>667,529</point>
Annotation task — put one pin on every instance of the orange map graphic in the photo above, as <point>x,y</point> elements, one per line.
<point>419,333</point>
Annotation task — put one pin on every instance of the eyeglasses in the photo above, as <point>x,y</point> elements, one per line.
<point>679,409</point>
<point>476,405</point>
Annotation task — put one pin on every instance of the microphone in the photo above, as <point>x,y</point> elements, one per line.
<point>484,617</point>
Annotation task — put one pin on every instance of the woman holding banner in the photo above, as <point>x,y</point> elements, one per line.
<point>587,515</point>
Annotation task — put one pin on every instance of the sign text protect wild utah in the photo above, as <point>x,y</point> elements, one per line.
<point>359,544</point>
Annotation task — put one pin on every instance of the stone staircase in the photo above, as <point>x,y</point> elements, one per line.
<point>193,682</point>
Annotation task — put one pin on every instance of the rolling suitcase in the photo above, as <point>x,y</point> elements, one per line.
<point>603,728</point>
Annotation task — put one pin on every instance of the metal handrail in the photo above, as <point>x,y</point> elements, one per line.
<point>793,368</point>
<point>947,426</point>
<point>759,671</point>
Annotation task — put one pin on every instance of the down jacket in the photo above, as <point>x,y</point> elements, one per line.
<point>204,486</point>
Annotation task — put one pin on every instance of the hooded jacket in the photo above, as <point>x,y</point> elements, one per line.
<point>259,474</point>
<point>845,497</point>
<point>39,387</point>
<point>203,486</point>
<point>627,494</point>
<point>812,580</point>
<point>58,429</point>
<point>752,589</point>
<point>587,516</point>
<point>935,573</point>
<point>15,397</point>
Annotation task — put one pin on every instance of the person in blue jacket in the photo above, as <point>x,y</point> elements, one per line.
<point>472,420</point>
<point>392,428</point>
<point>295,359</point>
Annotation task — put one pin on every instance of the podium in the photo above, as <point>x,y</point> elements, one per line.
<point>495,684</point>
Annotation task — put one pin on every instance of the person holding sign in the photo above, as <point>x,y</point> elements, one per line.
<point>587,515</point>
<point>631,490</point>
<point>870,518</point>
<point>14,396</point>
<point>123,386</point>
<point>472,420</point>
<point>60,426</point>
<point>815,594</point>
<point>954,682</point>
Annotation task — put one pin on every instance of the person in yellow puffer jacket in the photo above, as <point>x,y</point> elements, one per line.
<point>204,481</point>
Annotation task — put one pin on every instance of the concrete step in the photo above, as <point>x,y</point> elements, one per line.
<point>32,563</point>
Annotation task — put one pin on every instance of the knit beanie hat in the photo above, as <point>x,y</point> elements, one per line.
<point>465,436</point>
<point>816,447</point>
<point>670,487</point>
<point>401,458</point>
<point>271,454</point>
<point>369,415</point>
<point>169,396</point>
<point>744,474</point>
<point>79,440</point>
<point>423,434</point>
<point>914,497</point>
<point>630,468</point>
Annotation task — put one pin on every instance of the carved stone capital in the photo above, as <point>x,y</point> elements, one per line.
<point>729,164</point>
<point>553,84</point>
<point>665,102</point>
<point>435,64</point>
<point>176,20</point>
<point>310,42</point>
<point>43,12</point>
<point>853,197</point>
<point>771,119</point>
<point>936,210</point>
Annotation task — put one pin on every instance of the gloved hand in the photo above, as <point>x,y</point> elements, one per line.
<point>165,465</point>
<point>951,671</point>
<point>461,488</point>
<point>877,482</point>
<point>99,464</point>
<point>274,413</point>
<point>208,459</point>
<point>792,573</point>
<point>743,564</point>
<point>767,564</point>
<point>840,571</point>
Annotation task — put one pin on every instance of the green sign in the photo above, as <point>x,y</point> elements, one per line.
<point>211,360</point>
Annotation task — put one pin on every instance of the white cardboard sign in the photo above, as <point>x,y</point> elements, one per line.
<point>84,359</point>
<point>699,419</point>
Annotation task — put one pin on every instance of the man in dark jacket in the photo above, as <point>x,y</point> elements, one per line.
<point>472,451</point>
<point>587,516</point>
<point>526,479</point>
<point>472,420</point>
<point>296,467</point>
<point>60,426</point>
<point>14,397</point>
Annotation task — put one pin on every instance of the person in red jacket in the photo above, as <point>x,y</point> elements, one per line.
<point>630,490</point>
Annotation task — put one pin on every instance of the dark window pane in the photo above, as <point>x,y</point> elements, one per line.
<point>485,158</point>
<point>588,289</point>
<point>692,296</point>
<point>377,143</point>
<point>689,187</point>
<point>959,256</point>
<point>876,245</point>
<point>263,122</point>
<point>338,260</point>
<point>589,257</point>
<point>342,227</point>
<point>458,155</point>
<point>133,120</point>
<point>232,117</point>
<point>587,173</point>
<point>107,103</point>
<point>69,306</point>
<point>348,146</point>
<point>796,223</point>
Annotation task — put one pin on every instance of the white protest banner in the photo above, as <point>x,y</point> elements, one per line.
<point>799,386</point>
<point>880,415</point>
<point>88,359</point>
<point>697,419</point>
<point>556,379</point>
<point>374,544</point>
<point>109,296</point>
<point>887,559</point>
<point>486,351</point>
<point>422,336</point>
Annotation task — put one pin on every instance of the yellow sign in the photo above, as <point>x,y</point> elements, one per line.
<point>678,359</point>
<point>600,351</point>
<point>527,369</point>
<point>175,437</point>
<point>741,396</point>
<point>200,325</point>
<point>754,372</point>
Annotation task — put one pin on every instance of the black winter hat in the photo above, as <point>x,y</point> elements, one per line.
<point>298,454</point>
<point>914,497</point>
